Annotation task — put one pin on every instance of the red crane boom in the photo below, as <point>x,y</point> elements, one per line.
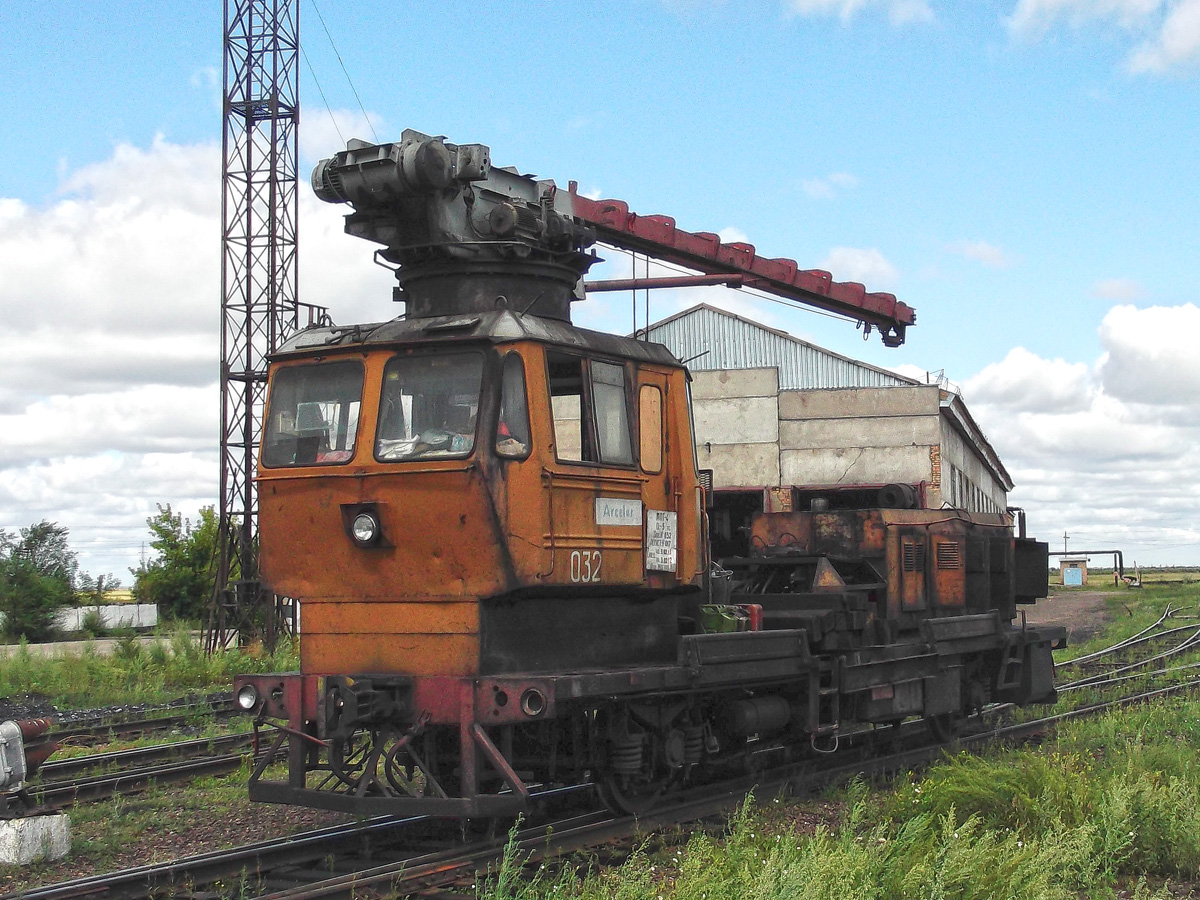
<point>658,237</point>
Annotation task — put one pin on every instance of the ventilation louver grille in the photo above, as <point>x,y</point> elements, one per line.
<point>949,555</point>
<point>914,557</point>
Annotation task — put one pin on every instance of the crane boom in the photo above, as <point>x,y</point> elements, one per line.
<point>459,229</point>
<point>658,237</point>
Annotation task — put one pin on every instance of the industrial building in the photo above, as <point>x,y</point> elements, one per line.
<point>780,422</point>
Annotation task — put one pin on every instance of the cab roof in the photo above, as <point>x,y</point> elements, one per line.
<point>499,326</point>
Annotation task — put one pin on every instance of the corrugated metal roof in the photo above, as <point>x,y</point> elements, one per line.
<point>707,339</point>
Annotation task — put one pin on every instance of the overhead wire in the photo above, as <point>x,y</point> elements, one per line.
<point>349,80</point>
<point>321,91</point>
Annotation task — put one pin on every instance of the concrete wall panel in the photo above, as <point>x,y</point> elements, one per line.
<point>860,465</point>
<point>724,383</point>
<point>741,465</point>
<point>900,431</point>
<point>919,400</point>
<point>738,420</point>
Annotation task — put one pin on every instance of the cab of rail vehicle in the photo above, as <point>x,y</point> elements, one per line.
<point>443,495</point>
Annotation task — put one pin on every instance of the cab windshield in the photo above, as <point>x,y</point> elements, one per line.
<point>312,418</point>
<point>429,406</point>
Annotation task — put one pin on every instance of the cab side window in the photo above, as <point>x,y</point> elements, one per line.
<point>512,426</point>
<point>591,410</point>
<point>650,428</point>
<point>612,413</point>
<point>571,439</point>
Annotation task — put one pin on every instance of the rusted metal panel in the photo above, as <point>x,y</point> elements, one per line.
<point>782,530</point>
<point>391,616</point>
<point>949,571</point>
<point>410,654</point>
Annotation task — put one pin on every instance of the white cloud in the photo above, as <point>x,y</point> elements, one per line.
<point>1035,17</point>
<point>1024,382</point>
<point>828,187</point>
<point>1177,43</point>
<point>865,265</point>
<point>1119,289</point>
<point>109,401</point>
<point>900,12</point>
<point>1109,452</point>
<point>1167,31</point>
<point>1151,356</point>
<point>983,252</point>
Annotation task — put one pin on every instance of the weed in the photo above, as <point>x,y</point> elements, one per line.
<point>132,674</point>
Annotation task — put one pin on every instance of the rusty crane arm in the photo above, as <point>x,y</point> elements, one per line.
<point>658,237</point>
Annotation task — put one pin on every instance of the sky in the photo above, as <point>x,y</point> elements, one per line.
<point>1023,173</point>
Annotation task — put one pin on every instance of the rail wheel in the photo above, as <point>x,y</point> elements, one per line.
<point>943,727</point>
<point>631,773</point>
<point>631,796</point>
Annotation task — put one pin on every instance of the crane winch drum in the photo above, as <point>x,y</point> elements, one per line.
<point>466,237</point>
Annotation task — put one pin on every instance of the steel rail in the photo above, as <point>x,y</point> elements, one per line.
<point>1187,644</point>
<point>1118,645</point>
<point>102,726</point>
<point>309,847</point>
<point>1158,635</point>
<point>425,872</point>
<point>58,769</point>
<point>1164,671</point>
<point>67,793</point>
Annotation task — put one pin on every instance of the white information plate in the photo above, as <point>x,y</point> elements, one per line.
<point>660,541</point>
<point>611,511</point>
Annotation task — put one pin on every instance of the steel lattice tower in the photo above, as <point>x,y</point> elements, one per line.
<point>259,306</point>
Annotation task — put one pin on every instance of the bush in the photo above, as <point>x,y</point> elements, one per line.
<point>37,572</point>
<point>181,576</point>
<point>93,624</point>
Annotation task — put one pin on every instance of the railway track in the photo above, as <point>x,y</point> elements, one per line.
<point>1140,656</point>
<point>101,727</point>
<point>65,783</point>
<point>389,857</point>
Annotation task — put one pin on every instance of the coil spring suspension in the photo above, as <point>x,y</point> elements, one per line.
<point>625,753</point>
<point>693,744</point>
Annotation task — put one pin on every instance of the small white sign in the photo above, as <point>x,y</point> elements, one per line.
<point>610,511</point>
<point>660,541</point>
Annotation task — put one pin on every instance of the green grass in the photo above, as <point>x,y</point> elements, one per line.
<point>173,665</point>
<point>1113,803</point>
<point>1132,611</point>
<point>104,834</point>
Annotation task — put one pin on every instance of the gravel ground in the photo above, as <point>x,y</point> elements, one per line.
<point>37,706</point>
<point>174,833</point>
<point>168,823</point>
<point>1083,613</point>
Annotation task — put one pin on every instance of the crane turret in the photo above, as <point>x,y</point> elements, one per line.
<point>466,237</point>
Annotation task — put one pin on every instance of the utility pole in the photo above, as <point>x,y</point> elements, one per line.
<point>259,307</point>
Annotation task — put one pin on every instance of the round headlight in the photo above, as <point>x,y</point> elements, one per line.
<point>247,697</point>
<point>365,528</point>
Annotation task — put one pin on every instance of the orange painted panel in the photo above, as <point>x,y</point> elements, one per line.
<point>347,617</point>
<point>405,654</point>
